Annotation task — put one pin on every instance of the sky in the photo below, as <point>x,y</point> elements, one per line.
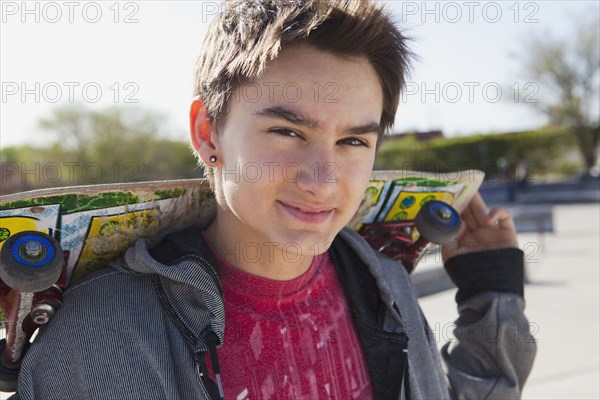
<point>141,54</point>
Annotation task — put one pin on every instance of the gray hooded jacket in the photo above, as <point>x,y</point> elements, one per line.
<point>139,329</point>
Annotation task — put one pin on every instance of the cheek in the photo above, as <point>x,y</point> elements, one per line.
<point>250,179</point>
<point>356,179</point>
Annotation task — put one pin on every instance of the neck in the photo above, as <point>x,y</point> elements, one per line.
<point>265,260</point>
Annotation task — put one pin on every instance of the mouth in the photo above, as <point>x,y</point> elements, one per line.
<point>307,213</point>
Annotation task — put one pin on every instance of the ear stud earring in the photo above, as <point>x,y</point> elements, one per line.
<point>213,159</point>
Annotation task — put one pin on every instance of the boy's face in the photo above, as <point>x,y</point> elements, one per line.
<point>296,151</point>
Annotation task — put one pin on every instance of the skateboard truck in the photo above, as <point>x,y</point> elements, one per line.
<point>31,264</point>
<point>42,313</point>
<point>436,222</point>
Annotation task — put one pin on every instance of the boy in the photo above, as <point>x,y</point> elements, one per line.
<point>292,100</point>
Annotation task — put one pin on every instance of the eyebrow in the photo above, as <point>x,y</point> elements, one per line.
<point>296,118</point>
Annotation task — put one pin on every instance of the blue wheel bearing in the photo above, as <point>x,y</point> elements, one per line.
<point>31,261</point>
<point>438,222</point>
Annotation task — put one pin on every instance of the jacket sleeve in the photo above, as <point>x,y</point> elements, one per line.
<point>494,350</point>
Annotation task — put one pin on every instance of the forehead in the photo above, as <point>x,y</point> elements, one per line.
<point>326,86</point>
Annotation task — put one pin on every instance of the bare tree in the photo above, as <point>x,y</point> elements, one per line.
<point>568,72</point>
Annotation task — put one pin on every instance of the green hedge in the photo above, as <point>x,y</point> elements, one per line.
<point>502,156</point>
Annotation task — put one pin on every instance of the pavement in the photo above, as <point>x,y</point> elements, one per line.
<point>563,303</point>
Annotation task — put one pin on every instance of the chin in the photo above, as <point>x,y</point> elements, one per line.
<point>306,243</point>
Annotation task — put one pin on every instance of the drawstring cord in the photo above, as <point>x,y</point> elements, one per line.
<point>405,378</point>
<point>212,340</point>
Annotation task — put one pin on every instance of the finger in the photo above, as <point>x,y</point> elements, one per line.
<point>461,233</point>
<point>502,217</point>
<point>469,219</point>
<point>451,249</point>
<point>479,210</point>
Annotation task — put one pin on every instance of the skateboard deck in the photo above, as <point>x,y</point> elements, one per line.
<point>95,224</point>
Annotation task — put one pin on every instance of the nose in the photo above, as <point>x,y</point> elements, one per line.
<point>319,173</point>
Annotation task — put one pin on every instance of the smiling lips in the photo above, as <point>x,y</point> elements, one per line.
<point>307,213</point>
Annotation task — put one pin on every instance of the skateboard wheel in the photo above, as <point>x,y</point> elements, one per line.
<point>31,261</point>
<point>438,222</point>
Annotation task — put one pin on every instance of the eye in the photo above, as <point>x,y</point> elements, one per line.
<point>354,142</point>
<point>285,132</point>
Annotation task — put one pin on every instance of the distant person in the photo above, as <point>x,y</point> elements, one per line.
<point>275,299</point>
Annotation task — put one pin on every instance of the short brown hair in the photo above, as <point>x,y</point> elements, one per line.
<point>249,33</point>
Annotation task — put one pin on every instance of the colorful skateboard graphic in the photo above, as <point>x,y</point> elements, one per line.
<point>99,222</point>
<point>81,228</point>
<point>394,207</point>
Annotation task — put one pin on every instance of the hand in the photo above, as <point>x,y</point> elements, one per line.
<point>482,230</point>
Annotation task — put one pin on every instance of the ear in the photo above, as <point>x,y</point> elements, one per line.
<point>202,132</point>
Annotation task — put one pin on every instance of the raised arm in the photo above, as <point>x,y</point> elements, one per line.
<point>493,353</point>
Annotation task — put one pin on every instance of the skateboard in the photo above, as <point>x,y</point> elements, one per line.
<point>50,238</point>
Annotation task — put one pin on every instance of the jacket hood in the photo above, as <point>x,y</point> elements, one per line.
<point>184,276</point>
